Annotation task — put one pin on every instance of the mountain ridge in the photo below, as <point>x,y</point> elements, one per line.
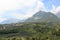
<point>42,16</point>
<point>11,20</point>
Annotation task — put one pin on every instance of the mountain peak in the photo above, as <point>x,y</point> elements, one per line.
<point>43,16</point>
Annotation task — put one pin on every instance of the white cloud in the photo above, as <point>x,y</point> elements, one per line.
<point>18,16</point>
<point>11,5</point>
<point>55,9</point>
<point>38,7</point>
<point>30,12</point>
<point>14,4</point>
<point>2,19</point>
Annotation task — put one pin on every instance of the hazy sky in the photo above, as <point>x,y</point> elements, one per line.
<point>22,9</point>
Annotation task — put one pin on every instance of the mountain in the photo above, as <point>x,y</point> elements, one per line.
<point>42,16</point>
<point>12,20</point>
<point>58,14</point>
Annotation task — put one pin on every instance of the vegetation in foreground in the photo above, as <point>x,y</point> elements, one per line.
<point>30,31</point>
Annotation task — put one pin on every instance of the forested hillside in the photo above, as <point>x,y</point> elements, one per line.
<point>30,31</point>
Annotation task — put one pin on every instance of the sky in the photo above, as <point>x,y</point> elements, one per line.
<point>22,9</point>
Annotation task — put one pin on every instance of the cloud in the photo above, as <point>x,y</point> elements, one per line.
<point>55,9</point>
<point>20,9</point>
<point>2,19</point>
<point>17,16</point>
<point>6,5</point>
<point>38,6</point>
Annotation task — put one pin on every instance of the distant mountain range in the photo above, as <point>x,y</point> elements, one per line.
<point>8,21</point>
<point>40,16</point>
